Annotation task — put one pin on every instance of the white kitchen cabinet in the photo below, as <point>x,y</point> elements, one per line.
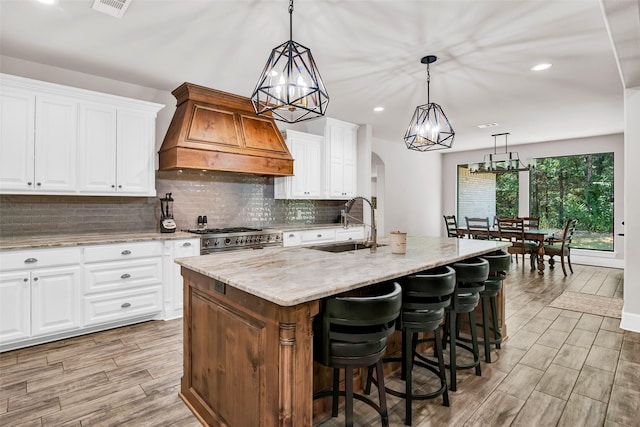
<point>62,140</point>
<point>340,156</point>
<point>55,300</point>
<point>97,148</point>
<point>17,133</point>
<point>15,306</point>
<point>321,235</point>
<point>38,143</point>
<point>114,151</point>
<point>173,284</point>
<point>135,165</point>
<point>123,281</point>
<point>306,182</point>
<point>39,293</point>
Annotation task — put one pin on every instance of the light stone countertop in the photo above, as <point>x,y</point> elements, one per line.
<point>295,275</point>
<point>60,240</point>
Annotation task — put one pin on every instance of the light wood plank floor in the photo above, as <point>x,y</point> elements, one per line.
<point>558,368</point>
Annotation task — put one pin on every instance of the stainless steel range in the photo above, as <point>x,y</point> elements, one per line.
<point>225,239</point>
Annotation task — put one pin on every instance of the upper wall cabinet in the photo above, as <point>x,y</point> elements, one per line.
<point>62,140</point>
<point>340,156</point>
<point>306,182</point>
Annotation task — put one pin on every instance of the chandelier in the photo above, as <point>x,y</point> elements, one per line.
<point>503,162</point>
<point>429,128</point>
<point>290,88</point>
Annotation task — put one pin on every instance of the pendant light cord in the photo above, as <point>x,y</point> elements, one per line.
<point>290,20</point>
<point>428,83</point>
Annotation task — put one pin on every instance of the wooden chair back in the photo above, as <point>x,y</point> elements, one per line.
<point>567,235</point>
<point>531,221</point>
<point>478,228</point>
<point>452,225</point>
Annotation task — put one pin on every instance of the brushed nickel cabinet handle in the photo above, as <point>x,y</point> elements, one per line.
<point>30,260</point>
<point>126,252</point>
<point>125,305</point>
<point>125,276</point>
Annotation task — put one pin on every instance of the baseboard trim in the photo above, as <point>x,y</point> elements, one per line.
<point>630,321</point>
<point>595,261</point>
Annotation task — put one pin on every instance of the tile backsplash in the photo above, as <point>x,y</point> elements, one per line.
<point>228,199</point>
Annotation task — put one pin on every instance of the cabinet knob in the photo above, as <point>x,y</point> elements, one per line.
<point>38,184</point>
<point>319,235</point>
<point>186,244</point>
<point>26,279</point>
<point>125,305</point>
<point>29,183</point>
<point>119,186</point>
<point>35,279</point>
<point>113,186</point>
<point>30,260</point>
<point>291,235</point>
<point>125,276</point>
<point>126,252</point>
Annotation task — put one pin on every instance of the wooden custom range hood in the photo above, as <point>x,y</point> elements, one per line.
<point>215,130</point>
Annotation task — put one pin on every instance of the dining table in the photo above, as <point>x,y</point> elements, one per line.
<point>538,235</point>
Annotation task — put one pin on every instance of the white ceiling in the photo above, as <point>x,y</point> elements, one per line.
<point>368,52</point>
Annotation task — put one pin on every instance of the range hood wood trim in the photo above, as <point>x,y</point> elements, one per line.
<point>215,130</point>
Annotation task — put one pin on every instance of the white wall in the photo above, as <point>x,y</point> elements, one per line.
<point>412,182</point>
<point>596,144</point>
<point>631,309</point>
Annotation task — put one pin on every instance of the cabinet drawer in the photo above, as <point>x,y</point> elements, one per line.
<point>290,238</point>
<point>37,258</point>
<point>317,236</point>
<point>114,306</point>
<point>123,275</point>
<point>356,233</point>
<point>122,251</point>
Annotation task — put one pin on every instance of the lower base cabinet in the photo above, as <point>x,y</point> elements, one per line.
<point>54,293</point>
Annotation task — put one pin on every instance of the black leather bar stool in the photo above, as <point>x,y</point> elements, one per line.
<point>351,332</point>
<point>424,298</point>
<point>499,264</point>
<point>470,277</point>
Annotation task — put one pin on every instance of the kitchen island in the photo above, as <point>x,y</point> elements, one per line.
<point>248,341</point>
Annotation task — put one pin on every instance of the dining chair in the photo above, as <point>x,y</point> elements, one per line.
<point>564,248</point>
<point>478,228</point>
<point>531,221</point>
<point>512,230</point>
<point>452,226</point>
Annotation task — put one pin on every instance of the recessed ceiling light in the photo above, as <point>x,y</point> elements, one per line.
<point>378,109</point>
<point>487,125</point>
<point>540,67</point>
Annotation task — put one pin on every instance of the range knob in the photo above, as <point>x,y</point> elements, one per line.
<point>227,241</point>
<point>205,243</point>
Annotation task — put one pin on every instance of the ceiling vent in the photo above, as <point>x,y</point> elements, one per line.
<point>115,8</point>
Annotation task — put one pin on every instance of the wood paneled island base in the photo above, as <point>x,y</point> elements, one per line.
<point>247,361</point>
<point>248,336</point>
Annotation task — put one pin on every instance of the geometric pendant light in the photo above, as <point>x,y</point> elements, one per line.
<point>429,128</point>
<point>290,87</point>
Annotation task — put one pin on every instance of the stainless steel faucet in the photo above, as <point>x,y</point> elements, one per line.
<point>373,242</point>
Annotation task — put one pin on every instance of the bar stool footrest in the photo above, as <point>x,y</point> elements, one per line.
<point>383,415</point>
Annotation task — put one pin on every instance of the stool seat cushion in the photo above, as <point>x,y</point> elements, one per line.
<point>471,270</point>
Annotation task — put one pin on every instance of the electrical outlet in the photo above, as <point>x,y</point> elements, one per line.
<point>220,287</point>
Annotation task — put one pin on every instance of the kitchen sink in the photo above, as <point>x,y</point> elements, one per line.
<point>341,247</point>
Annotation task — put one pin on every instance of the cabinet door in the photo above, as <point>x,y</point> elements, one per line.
<point>15,306</point>
<point>135,164</point>
<point>336,162</point>
<point>17,113</point>
<point>56,144</point>
<point>181,249</point>
<point>55,294</point>
<point>307,167</point>
<point>97,149</point>
<point>350,162</point>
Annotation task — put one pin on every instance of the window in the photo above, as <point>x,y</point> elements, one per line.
<point>579,187</point>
